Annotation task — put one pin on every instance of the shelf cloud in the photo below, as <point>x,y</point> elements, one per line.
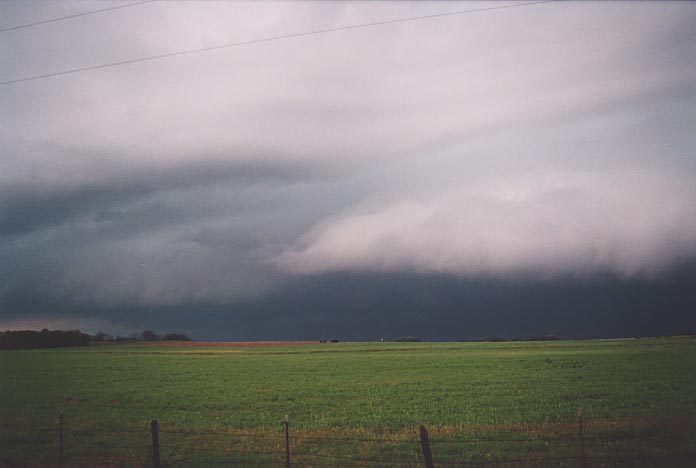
<point>543,223</point>
<point>548,142</point>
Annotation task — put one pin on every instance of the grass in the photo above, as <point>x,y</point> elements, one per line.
<point>511,404</point>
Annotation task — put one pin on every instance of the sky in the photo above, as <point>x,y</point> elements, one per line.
<point>508,171</point>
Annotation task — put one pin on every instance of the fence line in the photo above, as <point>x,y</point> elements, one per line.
<point>301,449</point>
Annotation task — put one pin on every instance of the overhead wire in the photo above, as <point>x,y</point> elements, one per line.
<point>270,39</point>
<point>76,15</point>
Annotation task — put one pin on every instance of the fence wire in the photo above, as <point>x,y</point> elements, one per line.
<point>184,448</point>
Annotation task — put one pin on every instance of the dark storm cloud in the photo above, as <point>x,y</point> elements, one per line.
<point>375,306</point>
<point>544,144</point>
<point>24,209</point>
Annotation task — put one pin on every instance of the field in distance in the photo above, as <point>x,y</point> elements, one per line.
<point>354,404</point>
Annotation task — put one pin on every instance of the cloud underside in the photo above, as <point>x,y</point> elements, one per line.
<point>549,140</point>
<point>629,223</point>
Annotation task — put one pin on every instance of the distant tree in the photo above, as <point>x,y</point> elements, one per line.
<point>176,337</point>
<point>498,339</point>
<point>122,339</point>
<point>149,335</point>
<point>541,338</point>
<point>494,339</point>
<point>102,336</point>
<point>407,339</point>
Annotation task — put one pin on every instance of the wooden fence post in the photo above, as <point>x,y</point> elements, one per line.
<point>425,445</point>
<point>287,442</point>
<point>60,439</point>
<point>581,440</point>
<point>154,428</point>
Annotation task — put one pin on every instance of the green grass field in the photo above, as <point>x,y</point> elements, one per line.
<point>354,404</point>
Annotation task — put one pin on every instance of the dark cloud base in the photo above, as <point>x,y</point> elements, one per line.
<point>370,307</point>
<point>23,210</point>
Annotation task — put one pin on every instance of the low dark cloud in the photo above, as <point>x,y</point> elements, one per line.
<point>515,172</point>
<point>375,306</point>
<point>27,208</point>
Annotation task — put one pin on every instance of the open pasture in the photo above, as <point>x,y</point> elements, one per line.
<point>354,404</point>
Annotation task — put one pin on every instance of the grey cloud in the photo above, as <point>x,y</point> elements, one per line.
<point>187,180</point>
<point>546,223</point>
<point>317,103</point>
<point>434,307</point>
<point>108,195</point>
<point>208,241</point>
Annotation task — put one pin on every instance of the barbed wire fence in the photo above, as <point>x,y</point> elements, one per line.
<point>160,447</point>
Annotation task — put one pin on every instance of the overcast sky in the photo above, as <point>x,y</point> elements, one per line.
<point>510,171</point>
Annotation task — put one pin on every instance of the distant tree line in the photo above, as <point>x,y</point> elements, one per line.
<point>407,339</point>
<point>146,335</point>
<point>30,339</point>
<point>498,339</point>
<point>149,335</point>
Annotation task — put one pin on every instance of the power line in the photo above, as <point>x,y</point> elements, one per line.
<point>76,15</point>
<point>269,39</point>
